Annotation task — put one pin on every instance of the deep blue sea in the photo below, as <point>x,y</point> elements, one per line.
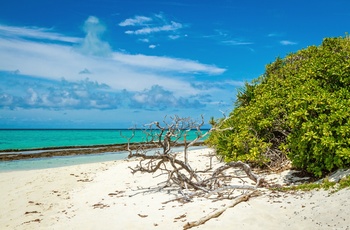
<point>27,139</point>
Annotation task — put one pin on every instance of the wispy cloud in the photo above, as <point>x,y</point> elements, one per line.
<point>167,64</point>
<point>282,42</point>
<point>152,46</point>
<point>156,24</point>
<point>287,43</point>
<point>174,37</point>
<point>35,93</point>
<point>116,79</point>
<point>275,35</point>
<point>145,40</point>
<point>158,97</point>
<point>223,37</point>
<point>85,71</point>
<point>236,42</point>
<point>35,33</point>
<point>92,43</point>
<point>207,85</point>
<point>172,26</point>
<point>86,94</point>
<point>61,60</point>
<point>120,71</point>
<point>136,21</point>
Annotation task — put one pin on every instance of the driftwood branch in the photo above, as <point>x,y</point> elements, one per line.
<point>217,213</point>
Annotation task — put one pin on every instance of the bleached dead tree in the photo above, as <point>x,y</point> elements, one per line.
<point>175,132</point>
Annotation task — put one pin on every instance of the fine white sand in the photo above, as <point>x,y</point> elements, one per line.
<point>107,196</point>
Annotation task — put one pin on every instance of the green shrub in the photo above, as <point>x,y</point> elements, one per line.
<point>299,108</point>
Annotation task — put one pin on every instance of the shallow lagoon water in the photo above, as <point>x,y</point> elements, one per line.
<point>54,162</point>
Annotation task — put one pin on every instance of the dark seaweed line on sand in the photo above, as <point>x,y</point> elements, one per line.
<point>71,151</point>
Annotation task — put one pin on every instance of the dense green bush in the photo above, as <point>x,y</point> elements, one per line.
<point>299,108</point>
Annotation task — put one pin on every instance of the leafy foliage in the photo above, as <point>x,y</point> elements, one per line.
<point>299,108</point>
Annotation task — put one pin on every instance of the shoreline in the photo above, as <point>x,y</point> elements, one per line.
<point>107,195</point>
<point>21,154</point>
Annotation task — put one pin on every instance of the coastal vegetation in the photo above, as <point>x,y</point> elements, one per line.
<point>325,184</point>
<point>212,179</point>
<point>297,111</point>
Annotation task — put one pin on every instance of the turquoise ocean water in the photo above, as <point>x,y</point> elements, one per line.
<point>34,139</point>
<point>51,138</point>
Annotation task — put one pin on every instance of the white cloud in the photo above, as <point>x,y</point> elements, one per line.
<point>38,59</point>
<point>85,71</point>
<point>92,43</point>
<point>52,61</point>
<point>158,97</point>
<point>137,20</point>
<point>148,30</point>
<point>119,70</point>
<point>157,24</point>
<point>36,33</point>
<point>236,42</point>
<point>115,79</point>
<point>152,46</point>
<point>85,94</point>
<point>214,86</point>
<point>224,37</point>
<point>174,37</point>
<point>275,35</point>
<point>145,40</point>
<point>167,64</point>
<point>287,43</point>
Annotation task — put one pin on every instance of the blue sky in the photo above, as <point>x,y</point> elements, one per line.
<point>114,64</point>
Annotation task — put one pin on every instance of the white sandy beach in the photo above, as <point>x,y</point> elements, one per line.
<point>107,196</point>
